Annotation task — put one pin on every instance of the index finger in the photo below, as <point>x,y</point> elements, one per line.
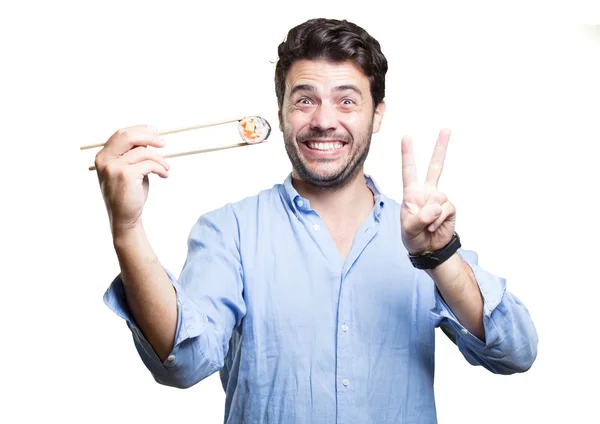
<point>436,165</point>
<point>126,139</point>
<point>409,169</point>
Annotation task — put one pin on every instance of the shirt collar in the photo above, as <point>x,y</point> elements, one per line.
<point>297,202</point>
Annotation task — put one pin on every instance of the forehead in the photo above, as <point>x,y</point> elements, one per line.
<point>325,75</point>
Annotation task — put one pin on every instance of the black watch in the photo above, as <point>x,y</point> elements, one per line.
<point>432,259</point>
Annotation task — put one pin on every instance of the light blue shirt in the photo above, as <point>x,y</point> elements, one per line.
<point>300,335</point>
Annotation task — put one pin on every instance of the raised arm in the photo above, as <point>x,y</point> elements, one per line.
<point>490,326</point>
<point>181,327</point>
<point>123,166</point>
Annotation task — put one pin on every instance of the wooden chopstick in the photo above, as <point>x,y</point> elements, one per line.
<point>176,130</point>
<point>193,152</point>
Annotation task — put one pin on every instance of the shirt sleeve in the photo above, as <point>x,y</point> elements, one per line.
<point>210,304</point>
<point>510,336</point>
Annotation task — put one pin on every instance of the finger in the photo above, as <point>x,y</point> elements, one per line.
<point>436,197</point>
<point>141,153</point>
<point>412,207</point>
<point>448,214</point>
<point>127,138</point>
<point>149,166</point>
<point>409,169</point>
<point>436,165</point>
<point>415,224</point>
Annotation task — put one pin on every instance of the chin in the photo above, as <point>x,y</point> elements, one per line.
<point>324,178</point>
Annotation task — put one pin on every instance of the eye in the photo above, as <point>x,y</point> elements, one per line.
<point>304,101</point>
<point>347,102</point>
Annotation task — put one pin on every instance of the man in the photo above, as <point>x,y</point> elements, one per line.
<point>317,300</point>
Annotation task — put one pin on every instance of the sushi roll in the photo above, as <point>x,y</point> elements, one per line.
<point>254,129</point>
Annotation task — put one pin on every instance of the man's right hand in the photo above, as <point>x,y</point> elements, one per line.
<point>123,166</point>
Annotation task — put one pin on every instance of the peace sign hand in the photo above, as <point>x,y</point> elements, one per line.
<point>427,218</point>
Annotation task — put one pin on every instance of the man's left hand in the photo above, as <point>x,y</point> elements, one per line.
<point>427,217</point>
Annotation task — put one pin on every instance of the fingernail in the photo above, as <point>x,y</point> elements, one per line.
<point>162,141</point>
<point>168,166</point>
<point>152,128</point>
<point>431,227</point>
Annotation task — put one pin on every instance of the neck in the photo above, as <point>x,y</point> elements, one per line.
<point>340,202</point>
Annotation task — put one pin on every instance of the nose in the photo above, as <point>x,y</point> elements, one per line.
<point>323,118</point>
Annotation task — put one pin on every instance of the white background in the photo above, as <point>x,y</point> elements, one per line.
<point>518,87</point>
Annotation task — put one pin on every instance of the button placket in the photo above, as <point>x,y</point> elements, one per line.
<point>344,354</point>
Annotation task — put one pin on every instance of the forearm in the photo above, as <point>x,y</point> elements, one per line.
<point>459,289</point>
<point>150,295</point>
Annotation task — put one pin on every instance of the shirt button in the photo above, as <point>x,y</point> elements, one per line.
<point>344,328</point>
<point>316,227</point>
<point>345,382</point>
<point>171,358</point>
<point>464,331</point>
<point>300,203</point>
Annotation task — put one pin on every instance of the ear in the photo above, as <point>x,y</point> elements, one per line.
<point>280,119</point>
<point>378,116</point>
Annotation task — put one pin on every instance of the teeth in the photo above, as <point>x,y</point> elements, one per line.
<point>325,146</point>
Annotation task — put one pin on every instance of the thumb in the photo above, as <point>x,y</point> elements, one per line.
<point>428,214</point>
<point>415,223</point>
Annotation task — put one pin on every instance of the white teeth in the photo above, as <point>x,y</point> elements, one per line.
<point>325,146</point>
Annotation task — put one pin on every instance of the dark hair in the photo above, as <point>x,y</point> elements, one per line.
<point>336,41</point>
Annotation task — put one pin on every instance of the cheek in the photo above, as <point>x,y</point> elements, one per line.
<point>297,123</point>
<point>354,127</point>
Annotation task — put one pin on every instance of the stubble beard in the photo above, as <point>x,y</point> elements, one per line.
<point>341,177</point>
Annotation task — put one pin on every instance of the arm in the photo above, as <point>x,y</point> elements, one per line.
<point>456,284</point>
<point>148,291</point>
<point>123,166</point>
<point>510,339</point>
<point>491,327</point>
<point>180,328</point>
<point>209,304</point>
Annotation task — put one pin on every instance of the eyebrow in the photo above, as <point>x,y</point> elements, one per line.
<point>312,88</point>
<point>347,87</point>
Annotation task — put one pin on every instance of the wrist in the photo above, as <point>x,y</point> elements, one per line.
<point>431,260</point>
<point>449,270</point>
<point>128,236</point>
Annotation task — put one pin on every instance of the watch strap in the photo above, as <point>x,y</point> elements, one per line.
<point>433,259</point>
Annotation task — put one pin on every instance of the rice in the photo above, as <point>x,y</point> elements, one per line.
<point>254,129</point>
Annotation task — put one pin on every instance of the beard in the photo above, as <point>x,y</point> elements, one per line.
<point>335,178</point>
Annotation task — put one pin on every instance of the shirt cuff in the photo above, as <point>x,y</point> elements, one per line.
<point>191,322</point>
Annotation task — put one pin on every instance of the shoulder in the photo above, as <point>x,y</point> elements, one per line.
<point>247,208</point>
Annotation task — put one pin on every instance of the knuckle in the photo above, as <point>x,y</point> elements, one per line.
<point>151,155</point>
<point>138,150</point>
<point>99,160</point>
<point>109,169</point>
<point>115,170</point>
<point>122,174</point>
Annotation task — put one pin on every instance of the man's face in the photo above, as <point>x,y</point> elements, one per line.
<point>327,119</point>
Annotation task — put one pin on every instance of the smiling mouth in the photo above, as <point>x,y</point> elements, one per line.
<point>324,146</point>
